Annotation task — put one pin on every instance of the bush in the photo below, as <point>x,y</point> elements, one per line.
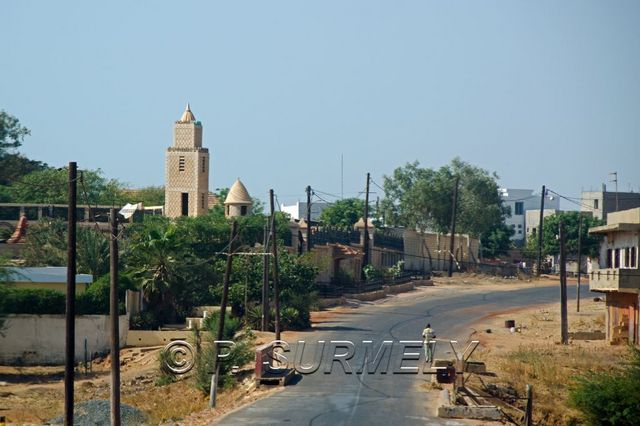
<point>37,301</point>
<point>240,354</point>
<point>611,397</point>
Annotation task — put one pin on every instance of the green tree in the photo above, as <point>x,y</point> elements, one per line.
<point>498,241</point>
<point>149,195</point>
<point>50,186</point>
<point>422,198</point>
<point>343,213</point>
<point>551,245</point>
<point>12,133</point>
<point>15,166</point>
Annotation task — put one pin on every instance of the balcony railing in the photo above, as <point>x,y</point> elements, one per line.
<point>615,279</point>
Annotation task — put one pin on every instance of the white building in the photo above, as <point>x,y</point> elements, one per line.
<point>519,201</point>
<point>299,210</point>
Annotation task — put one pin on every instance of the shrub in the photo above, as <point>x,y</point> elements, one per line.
<point>611,397</point>
<point>37,301</point>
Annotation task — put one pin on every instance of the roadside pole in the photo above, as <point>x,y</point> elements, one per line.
<point>365,260</point>
<point>579,263</point>
<point>70,325</point>
<point>276,271</point>
<point>223,311</point>
<point>308,219</point>
<point>115,323</point>
<point>453,225</point>
<point>265,280</point>
<point>564,329</point>
<point>539,269</point>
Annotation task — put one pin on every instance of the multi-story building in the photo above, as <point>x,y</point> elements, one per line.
<point>519,201</point>
<point>299,210</point>
<point>532,220</point>
<point>600,203</point>
<point>187,170</point>
<point>618,276</point>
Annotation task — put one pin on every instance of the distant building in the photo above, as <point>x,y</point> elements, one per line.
<point>238,201</point>
<point>299,210</point>
<point>532,220</point>
<point>600,203</point>
<point>519,201</point>
<point>187,170</point>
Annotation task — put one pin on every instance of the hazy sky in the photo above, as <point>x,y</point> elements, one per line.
<point>541,92</point>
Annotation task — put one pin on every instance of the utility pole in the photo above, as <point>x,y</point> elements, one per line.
<point>70,317</point>
<point>115,323</point>
<point>365,260</point>
<point>564,329</point>
<point>615,180</point>
<point>265,279</point>
<point>542,195</point>
<point>579,262</point>
<point>453,225</point>
<point>276,272</point>
<point>223,312</point>
<point>308,219</point>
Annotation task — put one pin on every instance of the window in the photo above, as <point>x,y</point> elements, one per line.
<point>203,165</point>
<point>243,210</point>
<point>634,255</point>
<point>627,260</point>
<point>202,200</point>
<point>519,208</point>
<point>519,226</point>
<point>181,163</point>
<point>616,258</point>
<point>595,204</point>
<point>609,258</point>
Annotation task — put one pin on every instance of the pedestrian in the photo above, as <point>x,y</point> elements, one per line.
<point>428,337</point>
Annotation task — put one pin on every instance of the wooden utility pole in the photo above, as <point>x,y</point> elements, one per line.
<point>365,259</point>
<point>223,312</point>
<point>564,329</point>
<point>528,413</point>
<point>276,271</point>
<point>115,323</point>
<point>579,263</point>
<point>70,317</point>
<point>454,207</point>
<point>539,269</point>
<point>308,219</point>
<point>265,279</point>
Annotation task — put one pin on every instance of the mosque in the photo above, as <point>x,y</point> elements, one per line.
<point>187,175</point>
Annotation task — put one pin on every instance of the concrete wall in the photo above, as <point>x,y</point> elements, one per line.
<point>426,250</point>
<point>40,339</point>
<point>154,337</point>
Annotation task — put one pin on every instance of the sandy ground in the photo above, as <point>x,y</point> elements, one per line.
<point>32,395</point>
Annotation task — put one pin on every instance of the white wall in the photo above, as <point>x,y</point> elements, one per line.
<point>40,339</point>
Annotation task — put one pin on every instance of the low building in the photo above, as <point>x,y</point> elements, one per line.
<point>532,220</point>
<point>618,277</point>
<point>49,277</point>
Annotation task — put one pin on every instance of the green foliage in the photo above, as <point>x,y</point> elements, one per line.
<point>422,198</point>
<point>12,133</point>
<point>343,213</point>
<point>14,166</point>
<point>550,243</point>
<point>49,186</point>
<point>47,246</point>
<point>610,397</point>
<point>240,354</point>
<point>149,196</point>
<point>371,272</point>
<point>498,241</point>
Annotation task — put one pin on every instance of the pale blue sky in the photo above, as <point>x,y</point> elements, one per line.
<point>284,88</point>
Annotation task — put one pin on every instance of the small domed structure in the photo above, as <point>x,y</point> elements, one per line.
<point>238,201</point>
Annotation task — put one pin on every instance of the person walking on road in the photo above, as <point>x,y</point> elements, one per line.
<point>428,337</point>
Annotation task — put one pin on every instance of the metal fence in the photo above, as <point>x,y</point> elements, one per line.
<point>335,236</point>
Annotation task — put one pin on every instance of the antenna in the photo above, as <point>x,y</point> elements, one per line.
<point>341,176</point>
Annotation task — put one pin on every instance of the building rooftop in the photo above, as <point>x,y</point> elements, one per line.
<point>45,274</point>
<point>238,194</point>
<point>187,115</point>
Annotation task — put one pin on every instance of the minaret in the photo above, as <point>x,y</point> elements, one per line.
<point>187,170</point>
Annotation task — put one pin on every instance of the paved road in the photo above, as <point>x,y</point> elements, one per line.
<point>382,399</point>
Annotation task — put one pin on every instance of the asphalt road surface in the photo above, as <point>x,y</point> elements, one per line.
<point>382,399</point>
